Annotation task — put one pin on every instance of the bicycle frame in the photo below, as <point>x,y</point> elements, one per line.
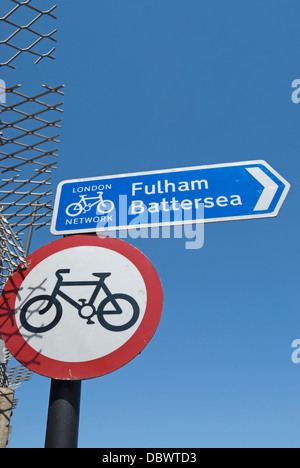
<point>84,198</point>
<point>100,284</point>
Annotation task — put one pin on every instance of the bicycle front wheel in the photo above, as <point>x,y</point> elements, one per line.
<point>118,312</point>
<point>105,207</point>
<point>37,307</point>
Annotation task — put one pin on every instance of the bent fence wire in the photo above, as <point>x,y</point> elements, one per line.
<point>29,128</point>
<point>28,154</point>
<point>21,24</point>
<point>11,254</point>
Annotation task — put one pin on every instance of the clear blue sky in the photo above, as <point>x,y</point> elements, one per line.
<point>156,84</point>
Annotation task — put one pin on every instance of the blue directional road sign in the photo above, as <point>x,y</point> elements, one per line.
<point>221,192</point>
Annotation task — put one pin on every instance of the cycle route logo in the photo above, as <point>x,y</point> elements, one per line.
<point>85,204</point>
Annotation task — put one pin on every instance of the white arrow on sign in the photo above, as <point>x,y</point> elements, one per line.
<point>270,188</point>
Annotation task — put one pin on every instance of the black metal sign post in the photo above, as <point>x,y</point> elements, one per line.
<point>63,414</point>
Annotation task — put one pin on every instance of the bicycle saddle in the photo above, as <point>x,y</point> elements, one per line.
<point>102,275</point>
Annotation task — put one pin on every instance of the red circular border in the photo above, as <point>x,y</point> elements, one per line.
<point>47,367</point>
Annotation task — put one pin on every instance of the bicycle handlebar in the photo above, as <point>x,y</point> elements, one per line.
<point>60,272</point>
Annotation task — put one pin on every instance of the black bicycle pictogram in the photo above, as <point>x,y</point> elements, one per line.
<point>111,305</point>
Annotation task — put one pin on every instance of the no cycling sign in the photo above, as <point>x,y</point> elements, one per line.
<point>80,307</point>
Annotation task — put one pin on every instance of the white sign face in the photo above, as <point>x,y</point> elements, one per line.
<point>81,307</point>
<point>78,335</point>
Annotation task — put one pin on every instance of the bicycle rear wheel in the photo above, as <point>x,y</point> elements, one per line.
<point>29,316</point>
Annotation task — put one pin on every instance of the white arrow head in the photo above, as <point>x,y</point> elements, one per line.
<point>270,188</point>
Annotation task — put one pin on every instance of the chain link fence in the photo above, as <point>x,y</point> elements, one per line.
<point>29,132</point>
<point>28,155</point>
<point>21,24</point>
